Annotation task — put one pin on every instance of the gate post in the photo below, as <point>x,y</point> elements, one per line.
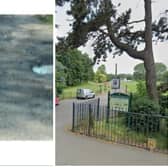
<point>98,108</point>
<point>108,108</point>
<point>90,118</point>
<point>73,117</point>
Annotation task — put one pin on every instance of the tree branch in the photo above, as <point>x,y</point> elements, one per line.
<point>136,21</point>
<point>125,47</point>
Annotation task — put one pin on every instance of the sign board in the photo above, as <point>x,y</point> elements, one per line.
<point>116,83</point>
<point>119,100</point>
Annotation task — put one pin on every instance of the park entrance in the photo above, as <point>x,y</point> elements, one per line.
<point>120,125</point>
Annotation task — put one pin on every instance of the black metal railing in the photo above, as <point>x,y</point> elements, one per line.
<point>147,131</point>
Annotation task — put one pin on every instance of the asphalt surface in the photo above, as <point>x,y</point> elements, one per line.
<point>25,97</point>
<point>73,149</point>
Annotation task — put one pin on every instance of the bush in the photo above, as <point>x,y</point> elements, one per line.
<point>141,89</point>
<point>143,120</point>
<point>163,101</point>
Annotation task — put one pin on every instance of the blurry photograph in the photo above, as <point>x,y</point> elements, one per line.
<point>26,77</point>
<point>111,82</point>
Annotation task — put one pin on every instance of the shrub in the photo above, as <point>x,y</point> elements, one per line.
<point>163,101</point>
<point>141,88</point>
<point>143,120</point>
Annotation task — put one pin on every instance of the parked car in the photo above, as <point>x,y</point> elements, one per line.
<point>84,94</point>
<point>57,101</point>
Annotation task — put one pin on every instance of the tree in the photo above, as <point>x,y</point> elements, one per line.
<point>101,75</point>
<point>139,71</point>
<point>102,69</point>
<point>111,32</point>
<point>78,66</point>
<point>165,77</point>
<point>60,77</point>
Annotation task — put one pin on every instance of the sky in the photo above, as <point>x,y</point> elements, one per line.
<point>125,63</point>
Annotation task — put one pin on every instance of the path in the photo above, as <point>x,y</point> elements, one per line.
<point>25,97</point>
<point>74,149</point>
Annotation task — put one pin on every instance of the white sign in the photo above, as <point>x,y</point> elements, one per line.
<point>116,83</point>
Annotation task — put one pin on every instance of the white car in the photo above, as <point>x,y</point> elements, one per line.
<point>85,94</point>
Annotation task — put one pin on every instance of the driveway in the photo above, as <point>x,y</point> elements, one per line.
<point>25,97</point>
<point>72,149</point>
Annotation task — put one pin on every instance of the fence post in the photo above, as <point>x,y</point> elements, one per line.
<point>90,118</point>
<point>73,117</point>
<point>108,108</point>
<point>130,103</point>
<point>98,108</point>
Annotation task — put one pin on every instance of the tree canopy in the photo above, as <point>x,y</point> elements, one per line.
<point>101,75</point>
<point>139,71</point>
<point>113,32</point>
<point>78,66</point>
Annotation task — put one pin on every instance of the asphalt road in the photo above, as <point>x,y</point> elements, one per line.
<point>25,97</point>
<point>72,149</point>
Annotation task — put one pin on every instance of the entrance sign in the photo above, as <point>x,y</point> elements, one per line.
<point>120,101</point>
<point>116,83</point>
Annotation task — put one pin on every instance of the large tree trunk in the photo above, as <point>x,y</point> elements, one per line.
<point>149,65</point>
<point>149,62</point>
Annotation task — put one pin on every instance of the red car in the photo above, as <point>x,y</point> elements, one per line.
<point>57,101</point>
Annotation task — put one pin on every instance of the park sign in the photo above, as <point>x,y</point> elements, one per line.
<point>119,101</point>
<point>116,83</point>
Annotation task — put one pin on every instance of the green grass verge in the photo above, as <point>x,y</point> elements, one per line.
<point>131,86</point>
<point>70,92</point>
<point>98,88</point>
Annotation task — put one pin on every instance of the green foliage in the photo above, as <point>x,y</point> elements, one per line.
<point>102,69</point>
<point>78,66</point>
<point>60,77</point>
<point>145,122</point>
<point>163,101</point>
<point>141,89</point>
<point>100,75</point>
<point>110,77</point>
<point>139,71</point>
<point>90,16</point>
<point>165,77</point>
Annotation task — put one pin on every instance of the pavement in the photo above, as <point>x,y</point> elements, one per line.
<point>74,149</point>
<point>25,97</point>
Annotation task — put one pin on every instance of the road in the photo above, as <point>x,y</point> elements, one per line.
<point>25,97</point>
<point>72,149</point>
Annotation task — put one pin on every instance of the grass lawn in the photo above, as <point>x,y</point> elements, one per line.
<point>131,86</point>
<point>98,88</point>
<point>70,92</point>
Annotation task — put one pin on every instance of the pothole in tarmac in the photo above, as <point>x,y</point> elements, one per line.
<point>42,69</point>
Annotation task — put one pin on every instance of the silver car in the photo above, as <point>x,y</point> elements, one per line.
<point>84,94</point>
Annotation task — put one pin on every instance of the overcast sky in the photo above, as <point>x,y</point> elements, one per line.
<point>125,63</point>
